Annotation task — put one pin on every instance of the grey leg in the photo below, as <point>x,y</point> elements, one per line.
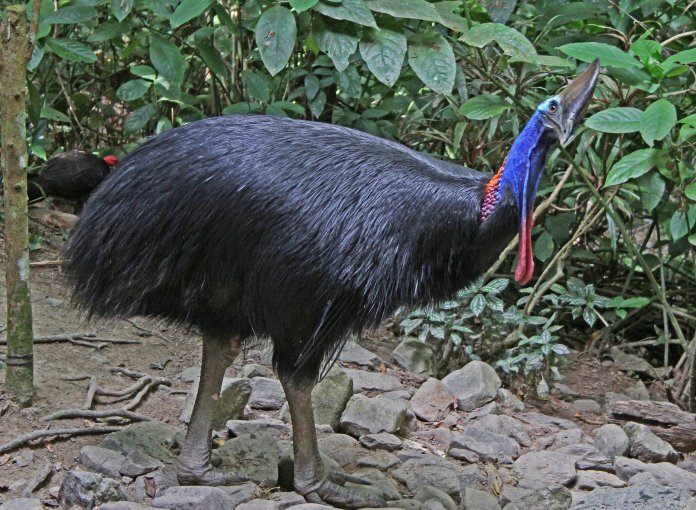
<point>193,465</point>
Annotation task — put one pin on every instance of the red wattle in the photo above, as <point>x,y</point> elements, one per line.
<point>525,258</point>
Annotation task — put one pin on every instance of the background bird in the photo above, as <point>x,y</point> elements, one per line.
<point>304,233</point>
<point>72,175</point>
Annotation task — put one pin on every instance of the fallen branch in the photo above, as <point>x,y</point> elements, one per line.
<point>66,414</point>
<point>46,263</point>
<point>79,339</point>
<point>90,393</point>
<point>38,434</point>
<point>150,332</point>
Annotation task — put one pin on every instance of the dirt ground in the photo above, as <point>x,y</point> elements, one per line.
<point>161,352</point>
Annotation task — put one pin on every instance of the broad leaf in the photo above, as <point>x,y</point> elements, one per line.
<point>52,114</point>
<point>410,9</point>
<point>336,40</point>
<point>187,10</point>
<point>121,8</point>
<point>349,10</point>
<point>139,118</point>
<point>496,286</point>
<point>109,30</point>
<point>432,59</point>
<point>657,120</point>
<point>449,18</point>
<point>316,105</point>
<point>302,5</point>
<point>499,10</point>
<point>512,42</point>
<point>70,15</point>
<point>633,165</point>
<point>276,32</point>
<point>543,246</point>
<point>608,55</point>
<point>256,86</point>
<point>484,107</point>
<point>652,188</point>
<point>212,58</point>
<point>616,120</point>
<point>167,59</point>
<point>384,51</point>
<point>72,50</point>
<point>690,191</point>
<point>679,225</point>
<point>478,304</point>
<point>131,90</point>
<point>685,57</point>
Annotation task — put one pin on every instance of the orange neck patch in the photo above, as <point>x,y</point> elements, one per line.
<point>490,196</point>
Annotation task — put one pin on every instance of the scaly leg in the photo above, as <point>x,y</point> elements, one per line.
<point>193,465</point>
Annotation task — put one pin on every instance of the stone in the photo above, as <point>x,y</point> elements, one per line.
<point>464,455</point>
<point>275,501</point>
<point>405,504</point>
<point>475,499</point>
<point>590,479</point>
<point>431,399</point>
<point>372,381</point>
<point>550,497</point>
<point>255,456</point>
<point>252,370</point>
<point>153,483</point>
<point>564,391</point>
<point>138,463</point>
<point>663,473</point>
<point>646,446</point>
<point>611,440</point>
<point>489,446</point>
<point>635,498</point>
<point>193,497</point>
<point>268,426</point>
<point>102,460</point>
<point>379,483</point>
<point>379,459</point>
<point>266,393</point>
<point>190,374</point>
<point>330,397</point>
<point>549,421</point>
<point>365,415</point>
<point>638,391</point>
<point>356,354</point>
<point>504,425</point>
<point>427,493</point>
<point>415,356</point>
<point>242,493</point>
<point>152,438</point>
<point>689,464</point>
<point>381,441</point>
<point>342,448</point>
<point>121,505</point>
<point>88,489</point>
<point>587,406</point>
<point>566,438</point>
<point>432,471</point>
<point>398,395</point>
<point>631,363</point>
<point>550,466</point>
<point>22,504</point>
<point>508,400</point>
<point>311,506</point>
<point>610,397</point>
<point>587,457</point>
<point>474,385</point>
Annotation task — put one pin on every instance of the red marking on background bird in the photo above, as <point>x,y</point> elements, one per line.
<point>110,160</point>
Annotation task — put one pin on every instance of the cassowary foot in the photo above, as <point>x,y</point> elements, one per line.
<point>205,474</point>
<point>344,497</point>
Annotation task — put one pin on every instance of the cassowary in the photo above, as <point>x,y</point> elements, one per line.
<point>72,175</point>
<point>302,232</point>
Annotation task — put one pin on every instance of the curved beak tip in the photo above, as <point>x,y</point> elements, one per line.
<point>576,97</point>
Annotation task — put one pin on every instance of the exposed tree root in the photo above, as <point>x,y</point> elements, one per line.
<point>39,434</point>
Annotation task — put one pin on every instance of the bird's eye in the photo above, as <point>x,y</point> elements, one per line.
<point>553,107</point>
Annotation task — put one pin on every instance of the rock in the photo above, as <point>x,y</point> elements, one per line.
<point>275,501</point>
<point>564,391</point>
<point>638,391</point>
<point>689,464</point>
<point>252,370</point>
<point>474,385</point>
<point>504,425</point>
<point>553,497</point>
<point>405,504</point>
<point>566,438</point>
<point>88,489</point>
<point>379,459</point>
<point>415,356</point>
<point>138,463</point>
<point>552,421</point>
<point>194,497</point>
<point>646,446</point>
<point>550,466</point>
<point>255,456</point>
<point>22,504</point>
<point>426,493</point>
<point>268,426</point>
<point>489,446</point>
<point>475,499</point>
<point>590,479</point>
<point>330,397</point>
<point>398,395</point>
<point>432,471</point>
<point>587,457</point>
<point>381,441</point>
<point>635,498</point>
<point>464,454</point>
<point>440,435</point>
<point>610,397</point>
<point>663,473</point>
<point>356,354</point>
<point>266,393</point>
<point>342,448</point>
<point>190,374</point>
<point>431,399</point>
<point>364,415</point>
<point>311,506</point>
<point>372,381</point>
<point>508,400</point>
<point>145,487</point>
<point>234,395</point>
<point>588,406</point>
<point>611,440</point>
<point>152,438</point>
<point>122,505</point>
<point>380,484</point>
<point>631,362</point>
<point>102,460</point>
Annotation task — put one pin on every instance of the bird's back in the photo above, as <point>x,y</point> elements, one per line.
<point>72,175</point>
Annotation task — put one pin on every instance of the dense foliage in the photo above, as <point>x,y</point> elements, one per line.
<point>457,79</point>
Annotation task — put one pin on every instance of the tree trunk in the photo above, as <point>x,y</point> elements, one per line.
<point>15,50</point>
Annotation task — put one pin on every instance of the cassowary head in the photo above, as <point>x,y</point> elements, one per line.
<point>552,122</point>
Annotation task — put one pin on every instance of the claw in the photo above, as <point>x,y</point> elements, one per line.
<point>334,494</point>
<point>206,475</point>
<point>342,478</point>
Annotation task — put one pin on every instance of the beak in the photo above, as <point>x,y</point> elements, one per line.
<point>575,99</point>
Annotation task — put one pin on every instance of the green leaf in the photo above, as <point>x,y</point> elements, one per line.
<point>256,86</point>
<point>608,55</point>
<point>652,187</point>
<point>139,118</point>
<point>52,114</point>
<point>131,90</point>
<point>499,10</point>
<point>302,5</point>
<point>543,246</point>
<point>275,34</point>
<point>484,107</point>
<point>349,82</point>
<point>690,191</point>
<point>167,59</point>
<point>657,121</point>
<point>107,31</point>
<point>512,42</point>
<point>70,15</point>
<point>615,120</point>
<point>349,10</point>
<point>682,223</point>
<point>685,57</point>
<point>212,58</point>
<point>478,304</point>
<point>311,84</point>
<point>337,41</point>
<point>589,315</point>
<point>432,59</point>
<point>645,49</point>
<point>121,8</point>
<point>187,10</point>
<point>633,165</point>
<point>553,61</point>
<point>72,50</point>
<point>384,51</point>
<point>409,9</point>
<point>37,54</point>
<point>496,286</point>
<point>316,105</point>
<point>449,18</point>
<point>143,71</point>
